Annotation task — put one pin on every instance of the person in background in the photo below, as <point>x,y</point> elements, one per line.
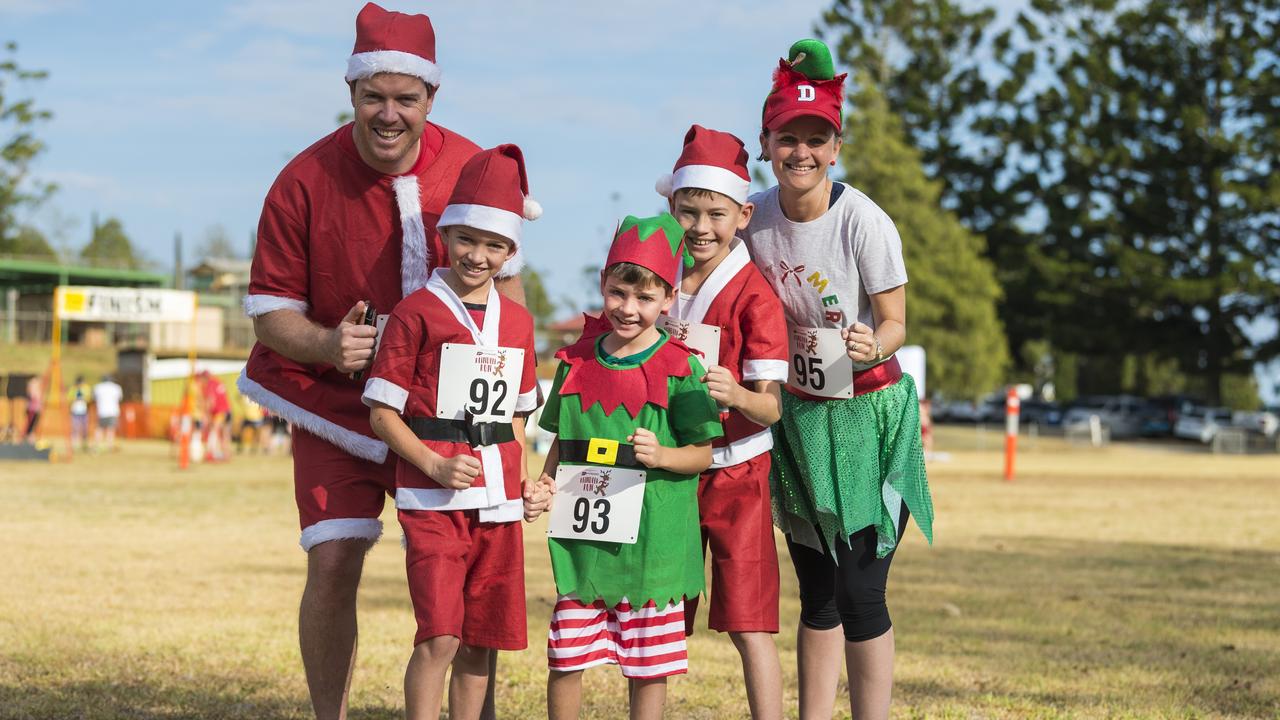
<point>78,399</point>
<point>107,395</point>
<point>35,406</point>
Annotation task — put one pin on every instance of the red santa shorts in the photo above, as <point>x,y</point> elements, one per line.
<point>339,496</point>
<point>737,527</point>
<point>466,578</point>
<point>646,642</point>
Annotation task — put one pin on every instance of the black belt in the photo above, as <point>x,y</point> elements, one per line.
<point>475,434</point>
<point>599,452</point>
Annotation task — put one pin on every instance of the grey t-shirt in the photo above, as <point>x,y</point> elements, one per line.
<point>825,270</point>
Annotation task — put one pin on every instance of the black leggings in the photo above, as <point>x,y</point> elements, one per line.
<point>850,592</point>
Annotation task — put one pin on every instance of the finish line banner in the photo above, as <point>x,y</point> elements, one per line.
<point>118,304</point>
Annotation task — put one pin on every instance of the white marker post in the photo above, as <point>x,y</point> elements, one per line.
<point>1011,406</point>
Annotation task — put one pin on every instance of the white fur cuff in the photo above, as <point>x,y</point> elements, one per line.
<point>765,370</point>
<point>341,529</point>
<point>255,305</point>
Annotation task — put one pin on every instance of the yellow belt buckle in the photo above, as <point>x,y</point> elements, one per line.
<point>602,451</point>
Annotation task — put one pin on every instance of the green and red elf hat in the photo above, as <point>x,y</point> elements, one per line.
<point>805,83</point>
<point>654,243</point>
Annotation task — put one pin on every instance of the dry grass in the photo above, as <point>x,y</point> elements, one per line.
<point>1122,583</point>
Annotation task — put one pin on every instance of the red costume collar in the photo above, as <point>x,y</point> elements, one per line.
<point>593,382</point>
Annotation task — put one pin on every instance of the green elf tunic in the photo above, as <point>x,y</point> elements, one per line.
<point>598,396</point>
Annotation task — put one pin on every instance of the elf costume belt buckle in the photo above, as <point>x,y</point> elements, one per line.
<point>602,451</point>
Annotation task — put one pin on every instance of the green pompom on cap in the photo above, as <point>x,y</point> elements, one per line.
<point>812,58</point>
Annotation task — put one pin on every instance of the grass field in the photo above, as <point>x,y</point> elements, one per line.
<point>1120,583</point>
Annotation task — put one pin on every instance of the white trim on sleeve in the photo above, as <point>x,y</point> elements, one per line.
<point>256,305</point>
<point>527,401</point>
<point>765,370</point>
<point>386,392</point>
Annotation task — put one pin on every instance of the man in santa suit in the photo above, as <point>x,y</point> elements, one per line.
<point>348,226</point>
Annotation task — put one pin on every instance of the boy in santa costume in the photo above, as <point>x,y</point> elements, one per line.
<point>634,426</point>
<point>350,224</point>
<point>728,311</point>
<point>451,382</point>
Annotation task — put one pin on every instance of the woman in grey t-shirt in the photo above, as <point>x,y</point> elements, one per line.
<point>847,471</point>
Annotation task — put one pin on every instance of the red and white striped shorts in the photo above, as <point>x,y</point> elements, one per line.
<point>645,642</point>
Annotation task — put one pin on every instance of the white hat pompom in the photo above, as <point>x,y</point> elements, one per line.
<point>664,185</point>
<point>532,208</point>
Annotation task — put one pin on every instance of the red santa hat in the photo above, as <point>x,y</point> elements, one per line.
<point>710,160</point>
<point>492,193</point>
<point>392,42</point>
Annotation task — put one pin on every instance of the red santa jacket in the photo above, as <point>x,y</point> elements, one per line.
<point>335,231</point>
<point>753,343</point>
<point>406,376</point>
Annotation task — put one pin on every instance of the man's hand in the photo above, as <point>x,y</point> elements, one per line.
<point>350,345</point>
<point>537,496</point>
<point>722,387</point>
<point>648,452</point>
<point>457,472</point>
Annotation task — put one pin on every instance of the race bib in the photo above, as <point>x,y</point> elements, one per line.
<point>699,336</point>
<point>819,364</point>
<point>482,381</point>
<point>597,503</point>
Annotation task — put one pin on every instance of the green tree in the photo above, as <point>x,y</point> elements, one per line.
<point>1119,159</point>
<point>953,291</point>
<point>110,247</point>
<point>28,243</point>
<point>536,298</point>
<point>18,143</point>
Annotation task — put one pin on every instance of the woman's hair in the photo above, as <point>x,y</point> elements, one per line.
<point>633,274</point>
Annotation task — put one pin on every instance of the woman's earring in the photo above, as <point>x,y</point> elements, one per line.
<point>833,163</point>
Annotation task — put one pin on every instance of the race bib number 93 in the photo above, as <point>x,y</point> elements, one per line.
<point>597,503</point>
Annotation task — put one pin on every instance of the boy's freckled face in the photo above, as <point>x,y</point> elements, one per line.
<point>710,221</point>
<point>633,309</point>
<point>475,255</point>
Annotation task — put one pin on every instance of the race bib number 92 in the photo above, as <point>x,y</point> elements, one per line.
<point>482,381</point>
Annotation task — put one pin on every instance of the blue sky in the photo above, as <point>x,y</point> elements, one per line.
<point>176,117</point>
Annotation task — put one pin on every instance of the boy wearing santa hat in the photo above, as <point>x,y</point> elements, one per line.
<point>727,310</point>
<point>453,377</point>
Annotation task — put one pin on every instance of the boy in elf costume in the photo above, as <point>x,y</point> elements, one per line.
<point>634,426</point>
<point>452,376</point>
<point>730,313</point>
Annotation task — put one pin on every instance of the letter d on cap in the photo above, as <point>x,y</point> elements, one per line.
<point>806,93</point>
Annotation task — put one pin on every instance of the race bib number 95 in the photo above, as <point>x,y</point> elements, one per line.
<point>819,364</point>
<point>483,381</point>
<point>597,503</point>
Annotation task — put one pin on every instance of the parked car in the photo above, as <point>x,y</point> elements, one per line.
<point>1201,423</point>
<point>1165,411</point>
<point>1265,422</point>
<point>1040,412</point>
<point>1122,414</point>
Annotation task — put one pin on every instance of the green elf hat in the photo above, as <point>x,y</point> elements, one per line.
<point>805,83</point>
<point>654,243</point>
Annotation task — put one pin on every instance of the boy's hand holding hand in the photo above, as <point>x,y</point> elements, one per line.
<point>457,472</point>
<point>648,451</point>
<point>537,496</point>
<point>723,388</point>
<point>350,345</point>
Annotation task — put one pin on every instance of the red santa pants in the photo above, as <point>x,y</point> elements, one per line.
<point>737,527</point>
<point>466,578</point>
<point>339,496</point>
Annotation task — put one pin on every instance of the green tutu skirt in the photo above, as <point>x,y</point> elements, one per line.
<point>842,465</point>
